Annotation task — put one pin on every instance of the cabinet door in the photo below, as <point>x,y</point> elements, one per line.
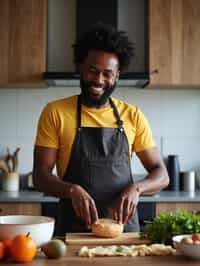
<point>23,29</point>
<point>173,207</point>
<point>20,209</point>
<point>174,38</point>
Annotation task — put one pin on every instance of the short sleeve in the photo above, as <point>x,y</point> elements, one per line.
<point>47,130</point>
<point>143,139</point>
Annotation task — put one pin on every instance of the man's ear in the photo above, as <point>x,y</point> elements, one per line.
<point>117,75</point>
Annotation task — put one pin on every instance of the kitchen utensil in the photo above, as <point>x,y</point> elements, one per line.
<point>91,239</point>
<point>173,168</point>
<point>10,181</point>
<point>197,179</point>
<point>15,159</point>
<point>188,250</point>
<point>40,227</point>
<point>9,161</point>
<point>4,167</point>
<point>12,160</point>
<point>188,181</point>
<point>30,184</point>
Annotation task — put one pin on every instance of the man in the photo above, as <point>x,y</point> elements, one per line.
<point>91,138</point>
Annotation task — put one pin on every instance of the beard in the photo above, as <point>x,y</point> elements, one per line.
<point>90,101</point>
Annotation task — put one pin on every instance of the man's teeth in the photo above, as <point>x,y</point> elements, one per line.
<point>96,89</point>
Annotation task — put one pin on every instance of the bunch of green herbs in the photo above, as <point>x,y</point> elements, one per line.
<point>166,225</point>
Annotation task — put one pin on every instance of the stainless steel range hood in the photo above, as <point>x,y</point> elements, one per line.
<point>69,19</point>
<point>63,79</point>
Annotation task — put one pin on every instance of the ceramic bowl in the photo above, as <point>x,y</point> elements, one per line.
<point>188,250</point>
<point>41,228</point>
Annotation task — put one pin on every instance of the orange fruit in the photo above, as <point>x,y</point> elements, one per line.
<point>23,248</point>
<point>2,250</point>
<point>7,244</point>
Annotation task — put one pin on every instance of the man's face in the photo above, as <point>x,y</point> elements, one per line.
<point>99,74</point>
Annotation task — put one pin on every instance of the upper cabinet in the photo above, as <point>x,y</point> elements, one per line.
<point>23,28</point>
<point>170,53</point>
<point>174,41</point>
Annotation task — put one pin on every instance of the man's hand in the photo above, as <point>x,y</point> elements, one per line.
<point>126,204</point>
<point>83,205</point>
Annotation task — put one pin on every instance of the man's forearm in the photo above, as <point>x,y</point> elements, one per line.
<point>52,185</point>
<point>156,180</point>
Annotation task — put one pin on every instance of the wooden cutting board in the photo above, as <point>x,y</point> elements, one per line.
<point>91,239</point>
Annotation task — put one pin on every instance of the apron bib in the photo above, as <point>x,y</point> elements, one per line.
<point>99,163</point>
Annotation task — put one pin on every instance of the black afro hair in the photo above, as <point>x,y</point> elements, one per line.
<point>105,38</point>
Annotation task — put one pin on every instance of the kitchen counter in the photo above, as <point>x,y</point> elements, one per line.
<point>25,196</point>
<point>164,196</point>
<point>73,260</point>
<point>173,196</point>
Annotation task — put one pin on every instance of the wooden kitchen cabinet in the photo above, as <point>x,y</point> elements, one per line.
<point>162,207</point>
<point>23,34</point>
<point>20,208</point>
<point>174,39</point>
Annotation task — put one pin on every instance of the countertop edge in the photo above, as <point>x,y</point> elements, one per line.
<point>37,197</point>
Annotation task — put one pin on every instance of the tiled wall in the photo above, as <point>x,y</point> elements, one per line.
<point>174,116</point>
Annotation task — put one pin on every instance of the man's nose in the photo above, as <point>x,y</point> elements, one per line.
<point>99,78</point>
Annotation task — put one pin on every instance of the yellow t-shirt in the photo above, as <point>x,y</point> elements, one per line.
<point>57,126</point>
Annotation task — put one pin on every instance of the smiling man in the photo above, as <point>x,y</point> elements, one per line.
<point>99,75</point>
<point>91,138</point>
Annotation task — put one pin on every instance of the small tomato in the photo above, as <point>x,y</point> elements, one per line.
<point>195,237</point>
<point>187,240</point>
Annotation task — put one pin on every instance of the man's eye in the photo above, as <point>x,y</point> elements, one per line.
<point>108,75</point>
<point>93,71</point>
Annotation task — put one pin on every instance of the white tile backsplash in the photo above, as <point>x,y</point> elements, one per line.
<point>30,104</point>
<point>187,148</point>
<point>8,113</point>
<point>181,113</point>
<point>174,116</point>
<point>25,154</point>
<point>149,102</point>
<point>137,167</point>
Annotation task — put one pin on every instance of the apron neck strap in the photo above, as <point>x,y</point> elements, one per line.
<point>79,112</point>
<point>116,114</point>
<point>115,111</point>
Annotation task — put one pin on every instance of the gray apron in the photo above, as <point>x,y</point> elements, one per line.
<point>100,164</point>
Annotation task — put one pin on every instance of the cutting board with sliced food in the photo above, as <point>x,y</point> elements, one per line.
<point>127,250</point>
<point>91,239</point>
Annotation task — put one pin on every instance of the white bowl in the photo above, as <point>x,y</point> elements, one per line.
<point>40,227</point>
<point>189,250</point>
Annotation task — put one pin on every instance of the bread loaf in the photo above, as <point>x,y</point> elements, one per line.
<point>107,228</point>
